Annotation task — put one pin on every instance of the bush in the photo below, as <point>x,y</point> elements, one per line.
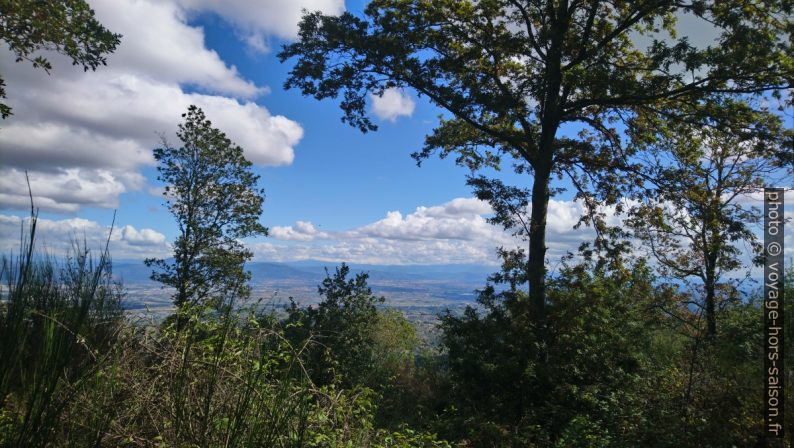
<point>577,382</point>
<point>339,332</point>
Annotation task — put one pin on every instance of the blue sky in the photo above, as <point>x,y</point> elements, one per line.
<point>333,193</point>
<point>338,179</point>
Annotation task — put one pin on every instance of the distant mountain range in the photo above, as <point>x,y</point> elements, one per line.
<point>313,271</point>
<point>419,290</point>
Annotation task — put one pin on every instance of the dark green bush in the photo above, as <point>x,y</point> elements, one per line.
<point>340,330</point>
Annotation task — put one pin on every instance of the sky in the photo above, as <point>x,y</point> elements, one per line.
<point>333,193</point>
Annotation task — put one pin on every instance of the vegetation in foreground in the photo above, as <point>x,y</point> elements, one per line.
<point>75,372</point>
<point>618,369</point>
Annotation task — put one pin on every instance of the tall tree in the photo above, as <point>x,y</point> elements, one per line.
<point>512,73</point>
<point>693,216</point>
<point>213,194</point>
<point>67,27</point>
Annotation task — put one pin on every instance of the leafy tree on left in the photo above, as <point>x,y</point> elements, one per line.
<point>67,27</point>
<point>213,194</point>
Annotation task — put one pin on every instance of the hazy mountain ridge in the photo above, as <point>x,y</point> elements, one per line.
<point>314,271</point>
<point>421,291</point>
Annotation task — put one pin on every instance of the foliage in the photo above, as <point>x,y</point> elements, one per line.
<point>341,329</point>
<point>394,342</point>
<point>67,27</point>
<point>349,342</point>
<point>219,381</point>
<point>56,323</point>
<point>212,193</point>
<point>75,374</point>
<point>405,374</point>
<point>691,214</point>
<point>511,74</point>
<point>579,386</point>
<point>708,389</point>
<point>615,369</point>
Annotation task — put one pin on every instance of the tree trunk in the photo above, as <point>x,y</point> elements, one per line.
<point>542,164</point>
<point>711,318</point>
<point>536,269</point>
<point>710,287</point>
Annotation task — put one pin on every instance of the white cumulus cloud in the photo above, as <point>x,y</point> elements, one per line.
<point>393,103</point>
<point>57,237</point>
<point>143,237</point>
<point>460,219</point>
<point>453,232</point>
<point>456,231</point>
<point>300,231</point>
<point>66,190</point>
<point>277,17</point>
<point>84,136</point>
<point>157,42</point>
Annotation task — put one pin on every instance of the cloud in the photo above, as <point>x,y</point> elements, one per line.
<point>51,144</point>
<point>143,237</point>
<point>157,42</point>
<point>379,251</point>
<point>452,232</point>
<point>459,219</point>
<point>276,17</point>
<point>66,190</point>
<point>257,42</point>
<point>300,231</point>
<point>57,237</point>
<point>457,207</point>
<point>391,104</point>
<point>84,136</point>
<point>111,120</point>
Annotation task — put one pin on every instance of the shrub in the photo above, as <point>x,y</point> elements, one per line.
<point>578,385</point>
<point>341,330</point>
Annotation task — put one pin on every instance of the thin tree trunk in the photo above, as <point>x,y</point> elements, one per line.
<point>536,268</point>
<point>710,287</point>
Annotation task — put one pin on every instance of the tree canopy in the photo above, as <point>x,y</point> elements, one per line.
<point>342,326</point>
<point>692,216</point>
<point>512,73</point>
<point>67,27</point>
